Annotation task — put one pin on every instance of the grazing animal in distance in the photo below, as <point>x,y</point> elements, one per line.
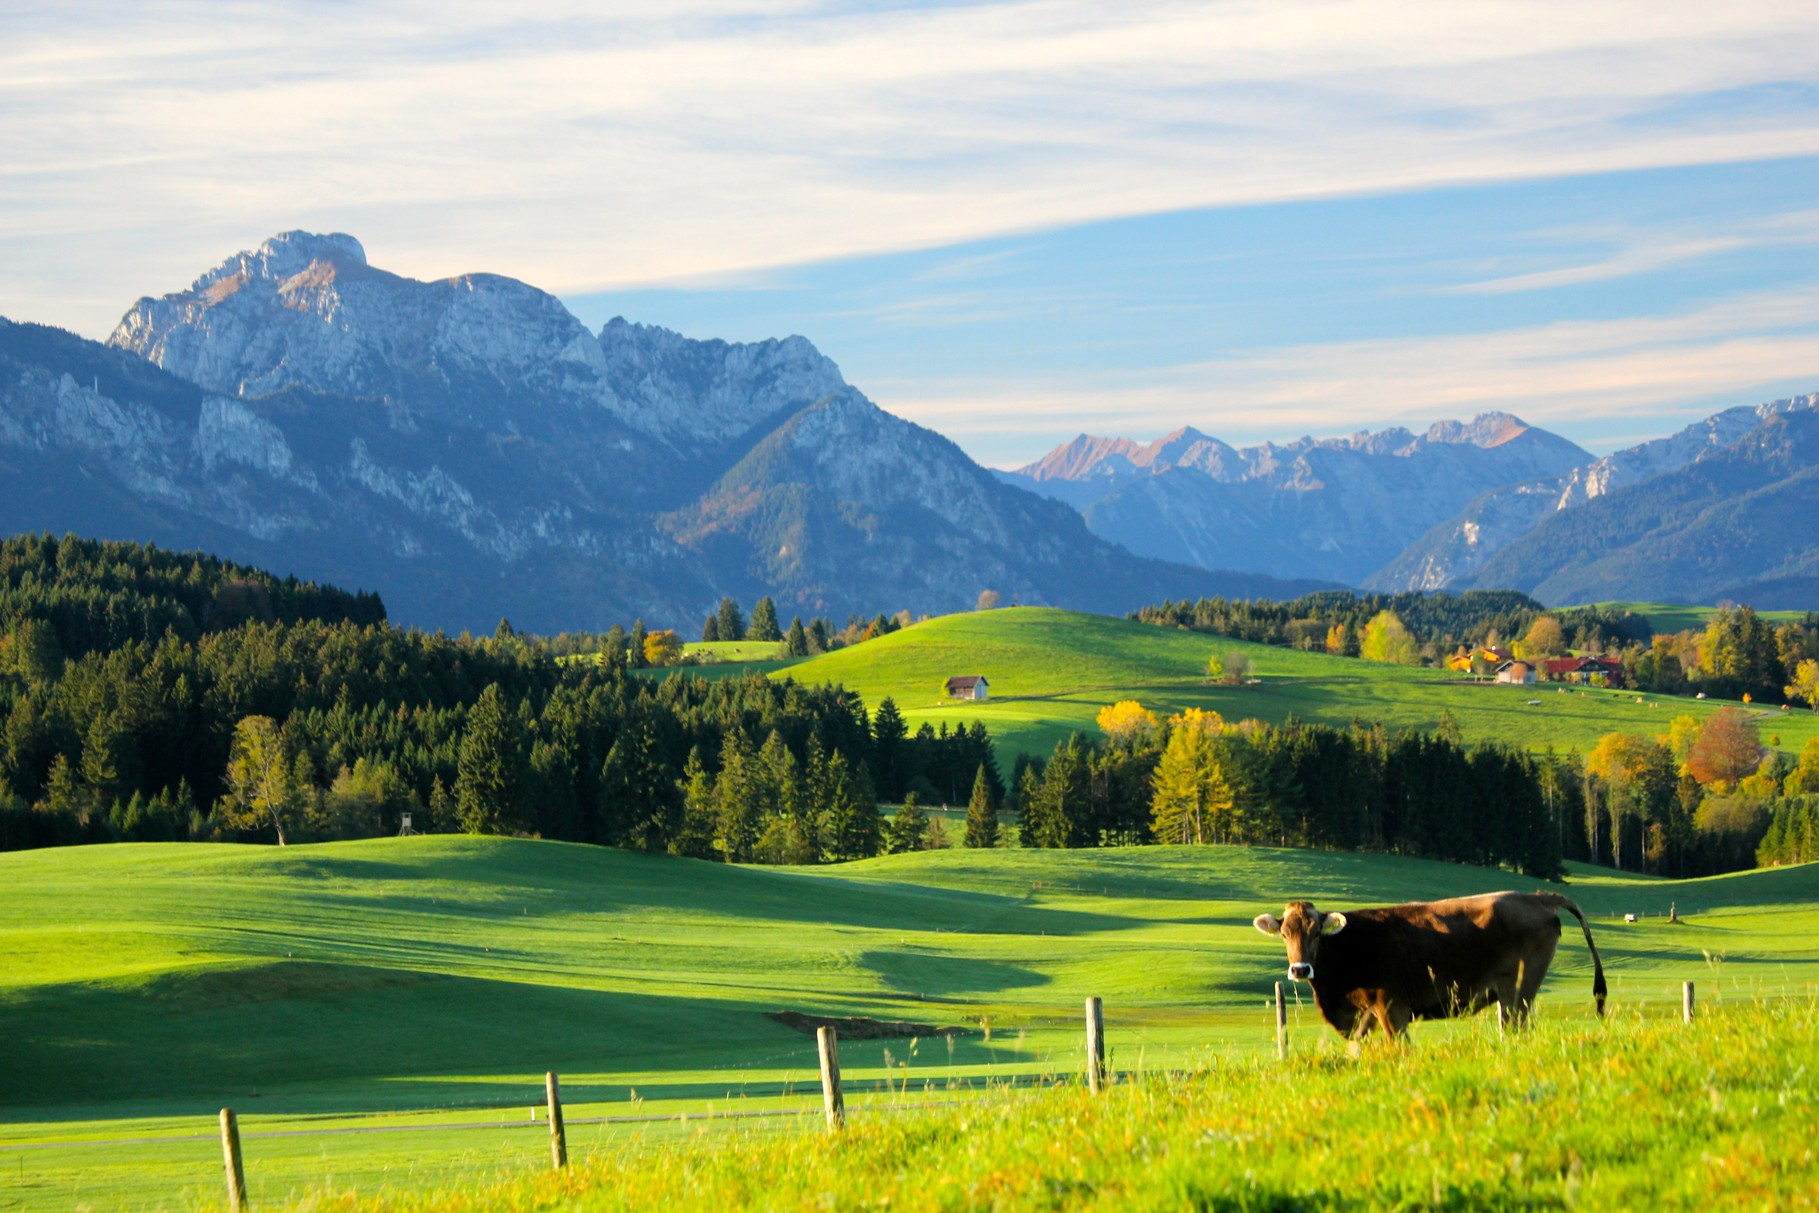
<point>1427,960</point>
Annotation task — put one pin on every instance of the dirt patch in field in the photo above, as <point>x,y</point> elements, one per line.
<point>859,1027</point>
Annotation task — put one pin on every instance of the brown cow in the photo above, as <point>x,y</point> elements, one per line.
<point>1427,960</point>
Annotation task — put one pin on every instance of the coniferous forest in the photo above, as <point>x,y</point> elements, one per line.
<point>147,695</point>
<point>153,696</point>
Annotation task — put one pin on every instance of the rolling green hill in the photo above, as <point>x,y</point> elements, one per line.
<point>142,987</point>
<point>1052,671</point>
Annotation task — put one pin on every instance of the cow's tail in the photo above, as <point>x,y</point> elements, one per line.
<point>1566,903</point>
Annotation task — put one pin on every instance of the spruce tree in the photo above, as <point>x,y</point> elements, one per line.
<point>710,629</point>
<point>634,653</point>
<point>441,806</point>
<point>888,734</point>
<point>489,779</point>
<point>798,638</point>
<point>907,829</point>
<point>695,837</point>
<point>731,623</point>
<point>981,814</point>
<point>738,800</point>
<point>639,803</point>
<point>764,621</point>
<point>854,825</point>
<point>817,635</point>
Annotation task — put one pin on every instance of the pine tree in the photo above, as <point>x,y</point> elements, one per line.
<point>695,838</point>
<point>1056,811</point>
<point>731,622</point>
<point>634,653</point>
<point>764,621</point>
<point>888,734</point>
<point>639,804</point>
<point>817,635</point>
<point>710,629</point>
<point>441,807</point>
<point>907,828</point>
<point>738,800</point>
<point>489,771</point>
<point>854,825</point>
<point>981,814</point>
<point>798,639</point>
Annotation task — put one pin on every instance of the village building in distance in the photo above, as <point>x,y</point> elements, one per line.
<point>967,686</point>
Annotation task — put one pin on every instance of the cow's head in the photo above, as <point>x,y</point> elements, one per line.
<point>1301,927</point>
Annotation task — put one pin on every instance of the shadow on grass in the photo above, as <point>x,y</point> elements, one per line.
<point>292,1037</point>
<point>532,879</point>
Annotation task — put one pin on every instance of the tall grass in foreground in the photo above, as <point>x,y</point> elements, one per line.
<point>1634,1114</point>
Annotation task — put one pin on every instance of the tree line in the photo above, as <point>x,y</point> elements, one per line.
<point>1194,778</point>
<point>1736,654</point>
<point>147,695</point>
<point>1698,800</point>
<point>1336,621</point>
<point>641,647</point>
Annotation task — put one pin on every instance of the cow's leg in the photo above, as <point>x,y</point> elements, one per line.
<point>1394,1017</point>
<point>1529,975</point>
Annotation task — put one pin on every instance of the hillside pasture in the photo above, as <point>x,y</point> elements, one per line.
<point>1052,671</point>
<point>422,984</point>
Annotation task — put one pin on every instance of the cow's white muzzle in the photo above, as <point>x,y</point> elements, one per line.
<point>1301,972</point>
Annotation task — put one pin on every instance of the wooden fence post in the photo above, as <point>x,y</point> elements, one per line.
<point>1686,1002</point>
<point>558,1138</point>
<point>1281,1024</point>
<point>1095,1045</point>
<point>831,1099</point>
<point>230,1154</point>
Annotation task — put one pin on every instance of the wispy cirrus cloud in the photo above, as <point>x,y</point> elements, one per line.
<point>581,146</point>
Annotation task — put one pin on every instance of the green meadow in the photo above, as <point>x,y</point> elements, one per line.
<point>381,1013</point>
<point>1635,1114</point>
<point>1051,671</point>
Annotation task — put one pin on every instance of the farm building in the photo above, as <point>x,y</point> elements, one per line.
<point>1519,673</point>
<point>966,686</point>
<point>1583,669</point>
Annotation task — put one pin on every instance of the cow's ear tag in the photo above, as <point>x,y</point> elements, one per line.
<point>1332,924</point>
<point>1269,924</point>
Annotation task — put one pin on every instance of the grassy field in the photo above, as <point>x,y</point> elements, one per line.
<point>420,987</point>
<point>736,650</point>
<point>1052,671</point>
<point>1679,617</point>
<point>1631,1115</point>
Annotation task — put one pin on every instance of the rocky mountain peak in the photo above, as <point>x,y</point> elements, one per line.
<point>1486,430</point>
<point>285,256</point>
<point>305,310</point>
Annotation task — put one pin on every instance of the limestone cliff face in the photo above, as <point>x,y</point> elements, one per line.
<point>469,449</point>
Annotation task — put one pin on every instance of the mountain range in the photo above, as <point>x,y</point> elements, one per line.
<point>470,450</point>
<point>1723,510</point>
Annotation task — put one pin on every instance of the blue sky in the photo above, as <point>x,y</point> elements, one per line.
<point>1526,296</point>
<point>1012,220</point>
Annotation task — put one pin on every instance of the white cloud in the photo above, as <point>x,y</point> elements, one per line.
<point>586,146</point>
<point>1564,376</point>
